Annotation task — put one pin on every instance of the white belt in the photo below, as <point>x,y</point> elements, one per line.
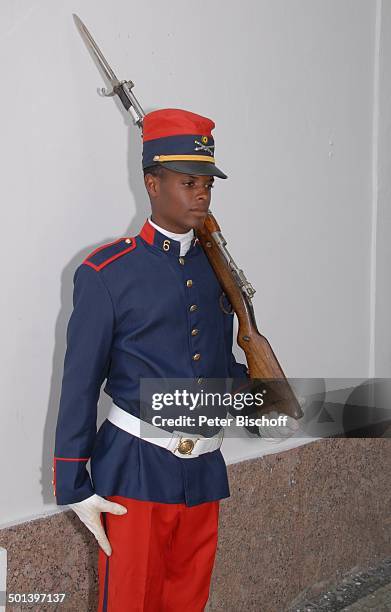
<point>181,444</point>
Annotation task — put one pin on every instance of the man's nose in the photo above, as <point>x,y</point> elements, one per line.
<point>203,193</point>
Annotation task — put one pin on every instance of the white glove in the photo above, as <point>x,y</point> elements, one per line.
<point>278,433</point>
<point>88,510</point>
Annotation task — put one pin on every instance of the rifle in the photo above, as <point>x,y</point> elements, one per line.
<point>262,362</point>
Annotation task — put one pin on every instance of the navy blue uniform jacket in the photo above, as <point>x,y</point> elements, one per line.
<point>134,316</point>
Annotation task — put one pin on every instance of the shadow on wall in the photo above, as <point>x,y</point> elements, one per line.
<point>140,196</point>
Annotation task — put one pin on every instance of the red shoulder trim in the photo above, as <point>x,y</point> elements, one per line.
<point>118,252</point>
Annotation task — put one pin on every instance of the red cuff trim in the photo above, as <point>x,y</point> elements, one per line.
<point>63,459</point>
<point>71,458</point>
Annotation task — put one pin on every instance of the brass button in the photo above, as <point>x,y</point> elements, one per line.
<point>128,241</point>
<point>193,307</point>
<point>52,469</point>
<point>196,357</point>
<point>181,261</point>
<point>199,380</point>
<point>186,446</point>
<point>53,482</point>
<point>194,331</point>
<point>189,283</point>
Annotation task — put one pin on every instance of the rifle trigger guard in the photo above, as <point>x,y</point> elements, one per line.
<point>222,305</point>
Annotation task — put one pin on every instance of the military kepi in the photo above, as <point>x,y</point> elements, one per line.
<point>179,140</point>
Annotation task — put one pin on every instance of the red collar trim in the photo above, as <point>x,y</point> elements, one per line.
<point>148,232</point>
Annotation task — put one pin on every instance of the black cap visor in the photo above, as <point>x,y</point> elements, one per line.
<point>194,167</point>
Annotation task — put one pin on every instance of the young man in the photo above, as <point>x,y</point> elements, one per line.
<point>149,307</point>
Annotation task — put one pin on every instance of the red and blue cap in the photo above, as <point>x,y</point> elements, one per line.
<point>181,141</point>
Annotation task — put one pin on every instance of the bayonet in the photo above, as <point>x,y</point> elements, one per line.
<point>123,89</point>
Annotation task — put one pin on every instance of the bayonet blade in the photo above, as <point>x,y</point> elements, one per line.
<point>91,44</point>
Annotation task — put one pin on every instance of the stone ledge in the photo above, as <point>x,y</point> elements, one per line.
<point>295,519</point>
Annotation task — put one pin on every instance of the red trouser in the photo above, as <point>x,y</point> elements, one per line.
<point>162,557</point>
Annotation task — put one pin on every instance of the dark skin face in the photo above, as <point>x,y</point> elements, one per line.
<point>179,201</point>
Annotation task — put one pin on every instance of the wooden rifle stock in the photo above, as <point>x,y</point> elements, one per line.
<point>261,360</point>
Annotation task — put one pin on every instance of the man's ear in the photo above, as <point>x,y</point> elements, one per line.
<point>152,185</point>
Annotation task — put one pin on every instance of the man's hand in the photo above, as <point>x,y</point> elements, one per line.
<point>279,432</point>
<point>89,511</point>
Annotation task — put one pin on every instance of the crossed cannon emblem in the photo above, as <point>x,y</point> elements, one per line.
<point>204,147</point>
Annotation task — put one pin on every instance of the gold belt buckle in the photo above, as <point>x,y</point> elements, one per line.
<point>185,446</point>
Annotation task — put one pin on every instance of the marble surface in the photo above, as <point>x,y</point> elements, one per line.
<point>295,522</point>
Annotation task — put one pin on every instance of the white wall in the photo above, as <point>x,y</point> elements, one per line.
<point>292,87</point>
<point>382,197</point>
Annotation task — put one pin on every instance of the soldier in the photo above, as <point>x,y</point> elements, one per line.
<point>148,307</point>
